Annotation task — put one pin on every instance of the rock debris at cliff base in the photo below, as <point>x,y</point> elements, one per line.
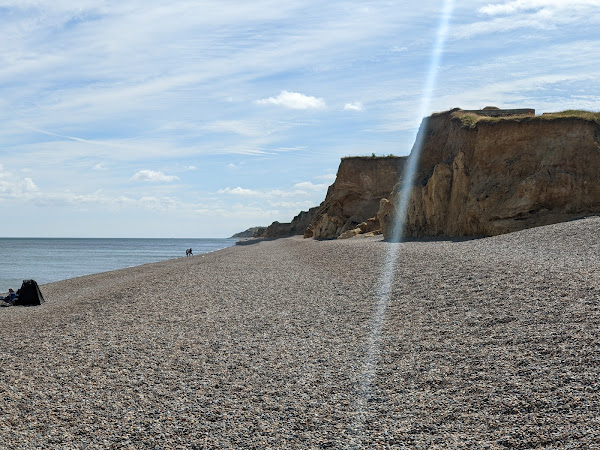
<point>491,342</point>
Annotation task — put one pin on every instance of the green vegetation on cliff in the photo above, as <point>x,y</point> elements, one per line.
<point>373,156</point>
<point>471,120</point>
<point>574,113</point>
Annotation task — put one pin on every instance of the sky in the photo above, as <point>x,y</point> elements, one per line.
<point>142,118</point>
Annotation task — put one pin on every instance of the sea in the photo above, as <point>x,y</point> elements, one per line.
<point>46,260</point>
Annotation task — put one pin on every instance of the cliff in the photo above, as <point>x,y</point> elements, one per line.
<point>250,232</point>
<point>481,175</point>
<point>296,227</point>
<point>355,195</point>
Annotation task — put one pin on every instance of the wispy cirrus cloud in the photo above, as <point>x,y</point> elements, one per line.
<point>248,128</point>
<point>519,6</point>
<point>253,93</point>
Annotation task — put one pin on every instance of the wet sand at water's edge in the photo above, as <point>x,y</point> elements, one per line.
<point>490,342</point>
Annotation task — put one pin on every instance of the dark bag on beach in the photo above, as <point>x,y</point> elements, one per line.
<point>29,294</point>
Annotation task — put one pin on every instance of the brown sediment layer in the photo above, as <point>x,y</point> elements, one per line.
<point>491,342</point>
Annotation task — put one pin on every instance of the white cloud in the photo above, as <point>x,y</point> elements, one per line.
<point>25,190</point>
<point>185,91</point>
<point>301,192</point>
<point>353,106</point>
<point>327,177</point>
<point>238,191</point>
<point>98,199</point>
<point>530,15</point>
<point>309,186</point>
<point>153,176</point>
<point>259,214</point>
<point>294,100</point>
<point>14,187</point>
<point>517,6</point>
<point>157,203</point>
<point>17,187</point>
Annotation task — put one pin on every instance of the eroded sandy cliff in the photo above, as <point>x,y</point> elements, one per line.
<point>297,226</point>
<point>488,176</point>
<point>355,195</point>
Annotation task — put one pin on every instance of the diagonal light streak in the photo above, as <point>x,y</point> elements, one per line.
<point>384,291</point>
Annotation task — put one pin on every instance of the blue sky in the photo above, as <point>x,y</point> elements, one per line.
<point>202,118</point>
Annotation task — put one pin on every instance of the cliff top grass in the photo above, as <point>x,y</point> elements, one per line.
<point>471,120</point>
<point>374,156</point>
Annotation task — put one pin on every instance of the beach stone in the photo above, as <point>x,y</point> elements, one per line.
<point>290,344</point>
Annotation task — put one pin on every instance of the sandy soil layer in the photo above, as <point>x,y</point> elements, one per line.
<point>489,343</point>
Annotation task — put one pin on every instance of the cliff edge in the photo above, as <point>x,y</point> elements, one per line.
<point>297,226</point>
<point>481,175</point>
<point>352,201</point>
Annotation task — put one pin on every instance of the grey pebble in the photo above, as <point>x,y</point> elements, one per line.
<point>486,343</point>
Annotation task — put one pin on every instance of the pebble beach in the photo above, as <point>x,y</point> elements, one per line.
<point>483,343</point>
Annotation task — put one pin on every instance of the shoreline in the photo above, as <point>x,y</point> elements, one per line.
<point>485,342</point>
<point>48,262</point>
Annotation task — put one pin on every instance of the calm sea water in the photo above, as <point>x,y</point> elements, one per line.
<point>49,260</point>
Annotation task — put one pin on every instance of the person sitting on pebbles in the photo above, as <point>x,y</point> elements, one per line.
<point>10,298</point>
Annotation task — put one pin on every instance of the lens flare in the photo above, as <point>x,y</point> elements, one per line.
<point>424,111</point>
<point>402,200</point>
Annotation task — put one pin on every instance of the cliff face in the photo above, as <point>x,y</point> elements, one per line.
<point>296,227</point>
<point>250,232</point>
<point>354,197</point>
<point>488,177</point>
